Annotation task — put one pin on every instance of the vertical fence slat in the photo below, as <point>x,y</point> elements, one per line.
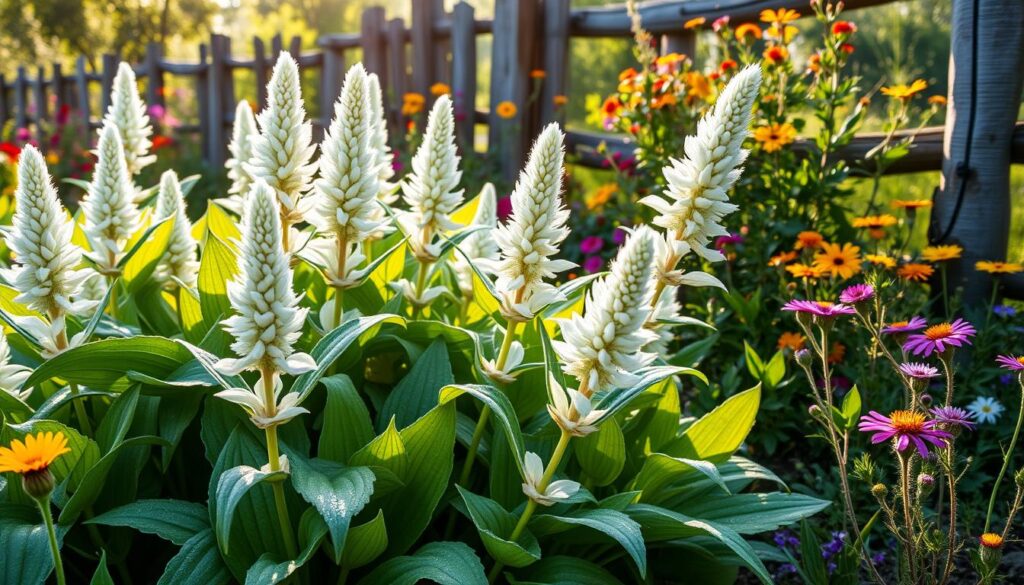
<point>41,105</point>
<point>154,74</point>
<point>330,84</point>
<point>58,88</point>
<point>217,91</point>
<point>514,40</point>
<point>372,42</point>
<point>464,73</point>
<point>295,47</point>
<point>422,29</point>
<point>82,92</point>
<point>202,98</point>
<point>397,72</point>
<point>441,46</point>
<point>683,42</point>
<point>4,112</point>
<point>260,71</point>
<point>556,59</point>
<point>110,63</point>
<point>276,46</point>
<point>21,99</point>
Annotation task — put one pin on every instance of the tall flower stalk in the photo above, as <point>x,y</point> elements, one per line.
<point>479,247</point>
<point>127,113</point>
<point>111,216</point>
<point>284,146</point>
<point>179,264</point>
<point>267,323</point>
<point>241,147</point>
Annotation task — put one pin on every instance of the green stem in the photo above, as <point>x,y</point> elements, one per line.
<point>907,519</point>
<point>83,416</point>
<point>274,462</point>
<point>58,565</point>
<point>339,291</point>
<point>1006,460</point>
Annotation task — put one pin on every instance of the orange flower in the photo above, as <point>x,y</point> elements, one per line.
<point>915,271</point>
<point>791,340</point>
<point>837,353</point>
<point>776,54</point>
<point>838,260</point>
<point>910,203</point>
<point>662,100</point>
<point>601,195</point>
<point>847,48</point>
<point>997,267</point>
<point>33,455</point>
<point>874,221</point>
<point>669,63</point>
<point>786,34</point>
<point>904,92</point>
<point>937,100</point>
<point>612,106</point>
<point>799,270</point>
<point>773,138</point>
<point>697,85</point>
<point>748,30</point>
<point>538,74</point>
<point>728,64</point>
<point>941,253</point>
<point>991,540</point>
<point>560,100</point>
<point>814,63</point>
<point>782,258</point>
<point>780,16</point>
<point>843,27</point>
<point>808,240</point>
<point>440,89</point>
<point>694,23</point>
<point>506,110</point>
<point>881,260</point>
<point>627,73</point>
<point>412,104</point>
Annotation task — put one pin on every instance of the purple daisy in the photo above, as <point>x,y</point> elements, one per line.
<point>953,416</point>
<point>919,371</point>
<point>939,338</point>
<point>905,428</point>
<point>818,308</point>
<point>1011,363</point>
<point>914,324</point>
<point>591,245</point>
<point>857,293</point>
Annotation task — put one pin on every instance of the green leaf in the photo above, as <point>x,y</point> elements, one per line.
<point>563,570</point>
<point>755,513</point>
<point>337,492</point>
<point>495,526</point>
<point>612,523</point>
<point>24,545</point>
<point>775,370</point>
<point>102,575</point>
<point>851,408</point>
<point>173,520</point>
<point>602,455</point>
<point>754,364</point>
<point>114,427</point>
<point>104,364</point>
<point>615,400</point>
<point>145,253</point>
<point>660,470</point>
<point>217,266</point>
<point>499,404</point>
<point>365,542</point>
<point>717,434</point>
<point>386,450</point>
<point>347,426</point>
<point>267,571</point>
<point>660,524</point>
<point>231,486</point>
<point>197,563</point>
<point>445,563</point>
<point>417,392</point>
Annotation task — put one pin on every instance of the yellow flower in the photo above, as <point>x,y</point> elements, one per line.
<point>838,260</point>
<point>915,271</point>
<point>440,89</point>
<point>412,104</point>
<point>35,454</point>
<point>799,270</point>
<point>665,99</point>
<point>881,260</point>
<point>601,195</point>
<point>905,92</point>
<point>772,138</point>
<point>780,16</point>
<point>560,100</point>
<point>874,221</point>
<point>991,540</point>
<point>808,240</point>
<point>787,34</point>
<point>697,86</point>
<point>997,267</point>
<point>791,340</point>
<point>911,203</point>
<point>694,23</point>
<point>748,29</point>
<point>941,253</point>
<point>506,110</point>
<point>782,258</point>
<point>52,158</point>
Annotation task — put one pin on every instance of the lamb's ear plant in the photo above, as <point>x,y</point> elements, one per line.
<point>307,385</point>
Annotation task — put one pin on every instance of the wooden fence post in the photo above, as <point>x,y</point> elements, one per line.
<point>514,36</point>
<point>397,78</point>
<point>21,99</point>
<point>41,105</point>
<point>464,73</point>
<point>217,94</point>
<point>683,42</point>
<point>59,89</point>
<point>372,42</point>
<point>4,112</point>
<point>202,97</point>
<point>260,71</point>
<point>330,84</point>
<point>981,224</point>
<point>422,29</point>
<point>442,46</point>
<point>154,75</point>
<point>82,93</point>
<point>110,63</point>
<point>556,59</point>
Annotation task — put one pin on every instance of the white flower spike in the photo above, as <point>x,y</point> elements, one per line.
<point>127,112</point>
<point>243,135</point>
<point>268,319</point>
<point>430,192</point>
<point>180,260</point>
<point>283,149</point>
<point>697,197</point>
<point>45,273</point>
<point>379,141</point>
<point>533,234</point>
<point>557,491</point>
<point>12,375</point>
<point>479,246</point>
<point>111,216</point>
<point>602,349</point>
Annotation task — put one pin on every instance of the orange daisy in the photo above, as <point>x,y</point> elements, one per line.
<point>791,340</point>
<point>748,30</point>
<point>780,16</point>
<point>915,271</point>
<point>506,110</point>
<point>881,260</point>
<point>799,270</point>
<point>782,258</point>
<point>874,221</point>
<point>910,203</point>
<point>694,23</point>
<point>772,138</point>
<point>808,240</point>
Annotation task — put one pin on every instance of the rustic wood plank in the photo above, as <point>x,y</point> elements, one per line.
<point>82,91</point>
<point>42,105</point>
<point>464,74</point>
<point>276,46</point>
<point>259,69</point>
<point>154,74</point>
<point>422,47</point>
<point>556,59</point>
<point>4,110</point>
<point>21,99</point>
<point>441,44</point>
<point>398,74</point>
<point>684,43</point>
<point>217,85</point>
<point>110,63</point>
<point>202,99</point>
<point>330,83</point>
<point>295,47</point>
<point>373,44</point>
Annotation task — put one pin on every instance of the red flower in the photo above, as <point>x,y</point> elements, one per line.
<point>728,64</point>
<point>160,141</point>
<point>843,27</point>
<point>846,48</point>
<point>11,150</point>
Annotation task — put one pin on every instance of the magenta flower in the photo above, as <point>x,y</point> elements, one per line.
<point>818,308</point>
<point>619,236</point>
<point>857,293</point>
<point>593,264</point>
<point>939,338</point>
<point>1011,363</point>
<point>919,371</point>
<point>730,240</point>
<point>914,324</point>
<point>504,207</point>
<point>156,111</point>
<point>905,428</point>
<point>23,135</point>
<point>953,416</point>
<point>591,245</point>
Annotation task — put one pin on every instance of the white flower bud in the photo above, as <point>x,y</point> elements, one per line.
<point>557,491</point>
<point>111,216</point>
<point>127,112</point>
<point>480,245</point>
<point>12,375</point>
<point>379,141</point>
<point>243,135</point>
<point>180,259</point>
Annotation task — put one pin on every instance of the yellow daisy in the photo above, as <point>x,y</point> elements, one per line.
<point>35,454</point>
<point>838,260</point>
<point>941,253</point>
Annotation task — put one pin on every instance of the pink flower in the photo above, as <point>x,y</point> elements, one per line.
<point>818,308</point>
<point>904,427</point>
<point>593,264</point>
<point>1011,363</point>
<point>504,207</point>
<point>939,338</point>
<point>156,111</point>
<point>720,23</point>
<point>953,416</point>
<point>857,293</point>
<point>919,371</point>
<point>619,236</point>
<point>591,245</point>
<point>914,324</point>
<point>23,135</point>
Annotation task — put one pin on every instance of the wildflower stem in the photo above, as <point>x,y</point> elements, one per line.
<point>951,535</point>
<point>58,564</point>
<point>947,367</point>
<point>339,291</point>
<point>83,416</point>
<point>907,519</point>
<point>274,463</point>
<point>1006,463</point>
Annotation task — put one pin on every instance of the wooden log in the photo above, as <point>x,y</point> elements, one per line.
<point>373,25</point>
<point>398,76</point>
<point>972,207</point>
<point>21,99</point>
<point>556,59</point>
<point>82,92</point>
<point>259,69</point>
<point>217,85</point>
<point>422,28</point>
<point>154,74</point>
<point>464,74</point>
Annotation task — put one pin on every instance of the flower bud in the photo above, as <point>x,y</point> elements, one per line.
<point>926,400</point>
<point>814,410</point>
<point>1018,478</point>
<point>804,357</point>
<point>38,484</point>
<point>925,479</point>
<point>991,549</point>
<point>879,490</point>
